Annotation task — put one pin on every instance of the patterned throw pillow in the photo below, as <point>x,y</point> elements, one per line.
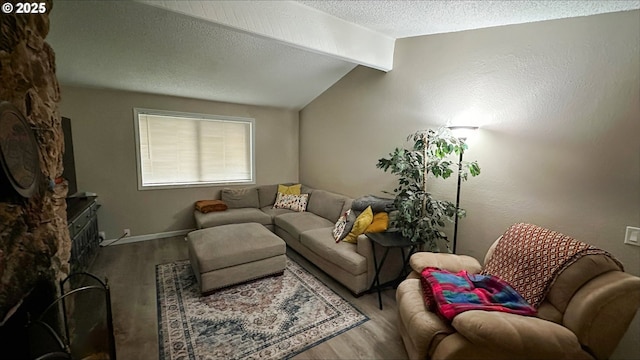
<point>339,227</point>
<point>291,202</point>
<point>351,220</point>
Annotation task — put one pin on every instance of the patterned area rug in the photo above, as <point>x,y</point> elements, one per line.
<point>275,317</point>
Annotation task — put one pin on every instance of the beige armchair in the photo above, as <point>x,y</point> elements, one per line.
<point>583,314</point>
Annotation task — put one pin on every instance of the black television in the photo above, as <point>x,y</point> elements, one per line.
<point>69,172</point>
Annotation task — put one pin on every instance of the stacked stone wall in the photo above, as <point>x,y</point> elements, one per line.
<point>34,240</point>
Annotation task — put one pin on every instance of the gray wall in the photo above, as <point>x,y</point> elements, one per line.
<point>558,103</point>
<point>104,147</point>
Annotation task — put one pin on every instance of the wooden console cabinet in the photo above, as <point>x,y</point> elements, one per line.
<point>82,219</point>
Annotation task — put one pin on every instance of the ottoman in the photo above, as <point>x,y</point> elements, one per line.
<point>230,254</point>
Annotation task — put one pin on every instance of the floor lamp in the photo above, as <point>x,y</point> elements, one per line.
<point>461,132</point>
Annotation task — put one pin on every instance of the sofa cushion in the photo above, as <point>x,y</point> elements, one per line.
<point>326,204</point>
<point>296,223</point>
<point>241,198</point>
<point>269,210</point>
<point>231,216</point>
<point>267,195</point>
<point>304,189</point>
<point>342,254</point>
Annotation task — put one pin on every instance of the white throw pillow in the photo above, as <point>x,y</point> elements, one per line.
<point>291,202</point>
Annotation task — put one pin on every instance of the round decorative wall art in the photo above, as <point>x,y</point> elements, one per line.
<point>18,152</point>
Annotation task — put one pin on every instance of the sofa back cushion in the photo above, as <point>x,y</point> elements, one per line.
<point>304,189</point>
<point>240,198</point>
<point>267,195</point>
<point>326,204</point>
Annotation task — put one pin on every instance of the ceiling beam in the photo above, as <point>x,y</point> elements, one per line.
<point>294,24</point>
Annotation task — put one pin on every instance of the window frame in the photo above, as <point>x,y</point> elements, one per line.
<point>192,117</point>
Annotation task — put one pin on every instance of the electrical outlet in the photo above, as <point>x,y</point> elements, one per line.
<point>127,232</point>
<point>632,236</point>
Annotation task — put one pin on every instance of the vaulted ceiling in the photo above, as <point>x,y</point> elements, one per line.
<point>271,53</point>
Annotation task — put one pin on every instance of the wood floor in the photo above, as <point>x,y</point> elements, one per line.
<point>130,269</point>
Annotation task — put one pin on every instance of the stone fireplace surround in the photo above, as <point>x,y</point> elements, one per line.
<point>34,240</point>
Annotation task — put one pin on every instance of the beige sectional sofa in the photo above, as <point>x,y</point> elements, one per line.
<point>309,233</point>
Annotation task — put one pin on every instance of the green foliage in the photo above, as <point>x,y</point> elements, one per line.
<point>421,217</point>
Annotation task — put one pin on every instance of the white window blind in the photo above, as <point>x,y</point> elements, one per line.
<point>181,149</point>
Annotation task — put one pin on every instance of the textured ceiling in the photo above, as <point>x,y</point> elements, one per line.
<point>401,19</point>
<point>134,46</point>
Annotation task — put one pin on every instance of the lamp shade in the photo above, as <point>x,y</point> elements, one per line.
<point>462,132</point>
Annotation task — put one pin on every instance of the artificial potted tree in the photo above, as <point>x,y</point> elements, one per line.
<point>421,217</point>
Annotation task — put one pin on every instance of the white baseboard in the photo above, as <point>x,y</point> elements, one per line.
<point>131,239</point>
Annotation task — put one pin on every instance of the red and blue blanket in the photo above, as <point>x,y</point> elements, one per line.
<point>449,293</point>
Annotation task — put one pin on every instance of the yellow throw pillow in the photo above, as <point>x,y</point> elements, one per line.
<point>360,225</point>
<point>290,190</point>
<point>380,223</point>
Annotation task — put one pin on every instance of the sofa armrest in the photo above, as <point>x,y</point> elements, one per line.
<point>449,262</point>
<point>364,248</point>
<point>600,312</point>
<point>520,336</point>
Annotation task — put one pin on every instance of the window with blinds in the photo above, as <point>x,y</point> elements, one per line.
<point>183,149</point>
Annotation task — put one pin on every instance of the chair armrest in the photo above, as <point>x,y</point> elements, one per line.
<point>449,262</point>
<point>421,330</point>
<point>520,336</point>
<point>600,312</point>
